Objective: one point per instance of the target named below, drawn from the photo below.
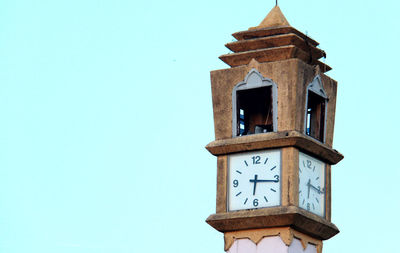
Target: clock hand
(265, 181)
(256, 180)
(315, 188)
(255, 183)
(309, 186)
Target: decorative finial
(276, 2)
(274, 18)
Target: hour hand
(254, 181)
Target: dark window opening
(254, 112)
(315, 121)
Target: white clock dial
(311, 184)
(254, 180)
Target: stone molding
(275, 140)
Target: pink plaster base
(271, 244)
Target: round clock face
(311, 184)
(254, 180)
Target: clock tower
(274, 115)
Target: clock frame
(288, 213)
(254, 180)
(312, 187)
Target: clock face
(311, 184)
(254, 180)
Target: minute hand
(315, 188)
(256, 180)
(263, 181)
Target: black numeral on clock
(256, 159)
(255, 202)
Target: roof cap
(274, 18)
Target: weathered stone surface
(290, 216)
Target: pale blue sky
(106, 108)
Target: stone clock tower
(274, 115)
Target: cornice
(290, 216)
(272, 140)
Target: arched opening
(254, 105)
(316, 108)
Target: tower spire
(274, 18)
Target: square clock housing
(312, 188)
(254, 180)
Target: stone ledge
(264, 32)
(290, 216)
(274, 41)
(271, 54)
(275, 140)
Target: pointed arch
(245, 96)
(317, 87)
(316, 109)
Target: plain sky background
(105, 109)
